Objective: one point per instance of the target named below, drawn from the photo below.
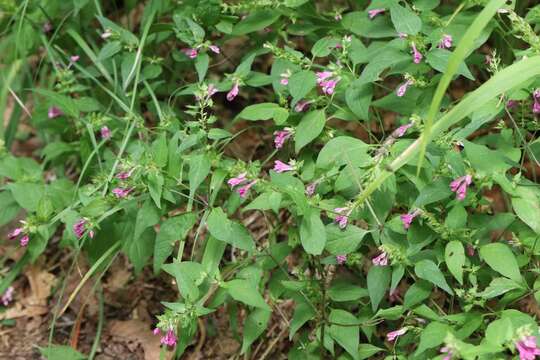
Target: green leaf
(171, 230)
(199, 167)
(501, 259)
(201, 65)
(257, 20)
(27, 195)
(366, 351)
(323, 46)
(343, 241)
(155, 187)
(309, 129)
(303, 312)
(477, 155)
(418, 292)
(254, 326)
(61, 352)
(301, 83)
(347, 337)
(9, 208)
(433, 192)
(148, 215)
(428, 270)
(439, 58)
(432, 336)
(160, 151)
(378, 282)
(140, 249)
(454, 256)
(264, 111)
(341, 291)
(245, 292)
(358, 98)
(343, 150)
(229, 231)
(405, 21)
(312, 232)
(266, 201)
(499, 286)
(527, 207)
(109, 50)
(189, 275)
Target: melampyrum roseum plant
(391, 195)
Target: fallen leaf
(139, 332)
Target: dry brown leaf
(139, 332)
(118, 279)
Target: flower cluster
(15, 233)
(241, 179)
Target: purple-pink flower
(310, 189)
(341, 259)
(408, 218)
(381, 260)
(302, 105)
(326, 82)
(169, 339)
(7, 297)
(105, 133)
(402, 89)
(15, 233)
(212, 89)
(338, 17)
(24, 240)
(280, 137)
(536, 104)
(54, 112)
(392, 335)
(190, 52)
(448, 353)
(417, 56)
(527, 348)
(74, 58)
(400, 131)
(79, 228)
(233, 92)
(446, 42)
(244, 189)
(343, 218)
(232, 182)
(280, 166)
(214, 48)
(374, 12)
(460, 185)
(121, 192)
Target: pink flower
(80, 227)
(341, 259)
(54, 112)
(392, 335)
(121, 192)
(323, 75)
(459, 186)
(281, 167)
(105, 133)
(381, 260)
(190, 53)
(47, 27)
(536, 107)
(169, 339)
(448, 351)
(511, 104)
(400, 131)
(417, 56)
(302, 105)
(446, 42)
(124, 175)
(156, 331)
(470, 250)
(402, 35)
(408, 218)
(338, 17)
(280, 138)
(393, 295)
(233, 92)
(24, 240)
(74, 58)
(212, 89)
(310, 189)
(284, 81)
(15, 233)
(243, 190)
(374, 12)
(329, 86)
(7, 297)
(527, 348)
(343, 218)
(214, 49)
(232, 182)
(402, 89)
